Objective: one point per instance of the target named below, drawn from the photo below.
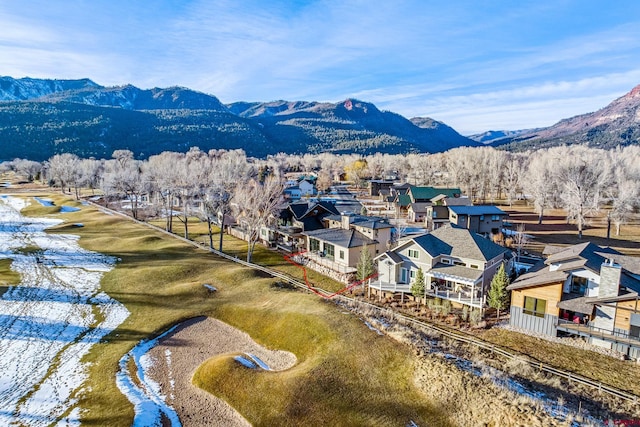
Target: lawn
(345, 371)
(8, 277)
(198, 232)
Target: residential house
(582, 290)
(292, 193)
(458, 265)
(376, 185)
(417, 212)
(307, 187)
(483, 220)
(293, 220)
(339, 246)
(437, 212)
(415, 194)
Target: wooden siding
(552, 293)
(623, 315)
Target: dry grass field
(557, 231)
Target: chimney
(609, 279)
(346, 220)
(609, 285)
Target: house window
(534, 306)
(434, 214)
(314, 245)
(460, 263)
(578, 285)
(474, 266)
(481, 217)
(403, 275)
(413, 253)
(341, 255)
(329, 250)
(263, 232)
(412, 274)
(446, 261)
(495, 217)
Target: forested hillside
(40, 118)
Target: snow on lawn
(48, 322)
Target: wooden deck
(593, 332)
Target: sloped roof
(340, 237)
(452, 201)
(583, 255)
(538, 278)
(460, 243)
(457, 271)
(424, 194)
(302, 209)
(592, 254)
(397, 259)
(403, 199)
(374, 224)
(477, 210)
(420, 207)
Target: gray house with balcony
(458, 265)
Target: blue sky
(475, 65)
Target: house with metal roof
(458, 265)
(403, 199)
(584, 290)
(339, 246)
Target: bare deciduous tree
(63, 168)
(255, 206)
(123, 177)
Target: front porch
(473, 299)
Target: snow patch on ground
(44, 202)
(50, 321)
(67, 209)
(149, 403)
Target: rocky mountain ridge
(81, 116)
(617, 124)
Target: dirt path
(179, 354)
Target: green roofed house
(458, 265)
(422, 195)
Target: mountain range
(617, 124)
(39, 118)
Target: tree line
(576, 178)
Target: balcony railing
(595, 332)
(462, 297)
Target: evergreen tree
(417, 287)
(497, 297)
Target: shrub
(475, 316)
(464, 316)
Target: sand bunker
(169, 366)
